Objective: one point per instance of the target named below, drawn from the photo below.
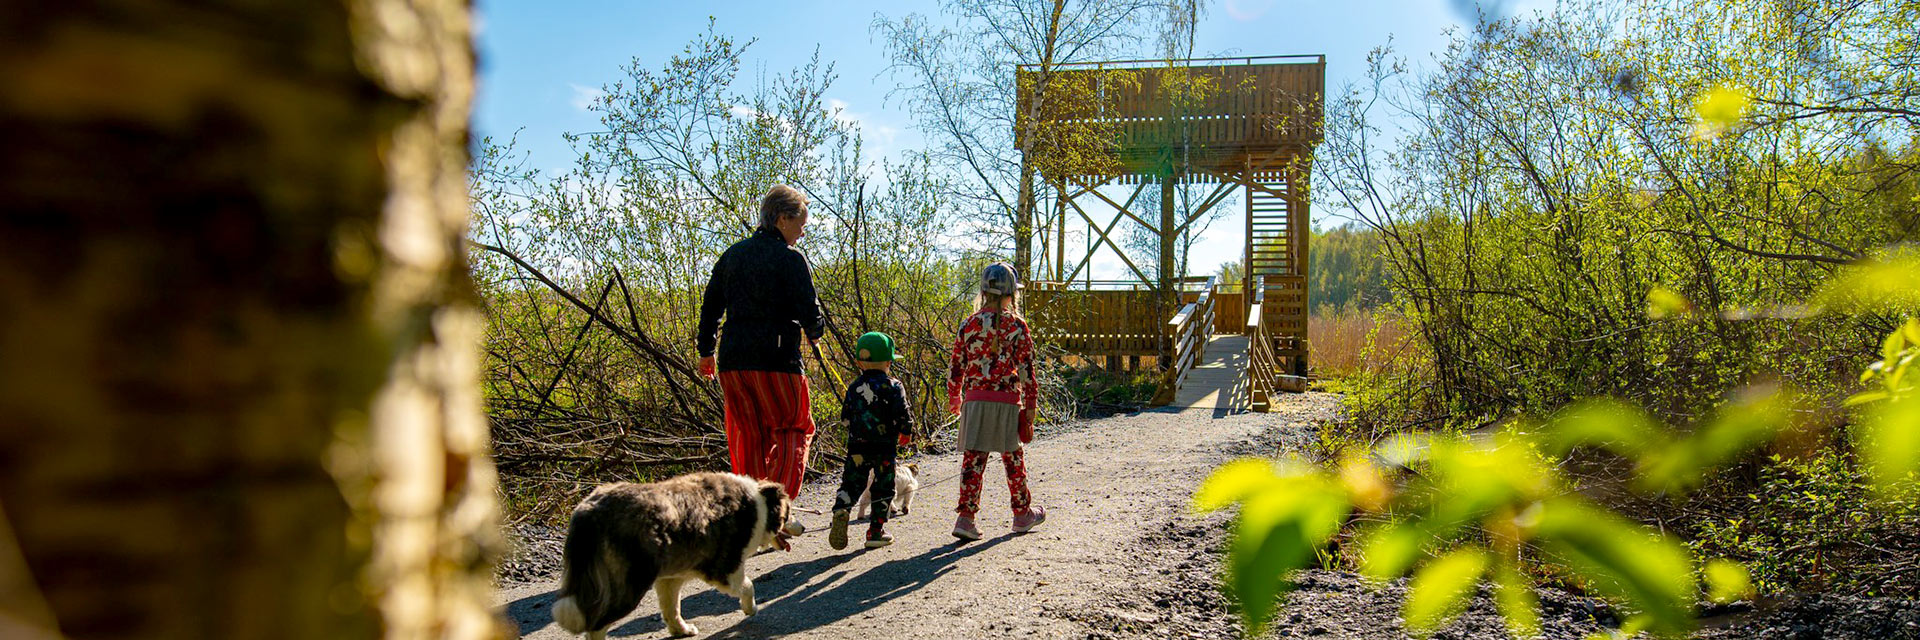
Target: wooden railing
(1097, 319)
(1263, 367)
(1270, 338)
(1249, 102)
(1105, 318)
(1190, 329)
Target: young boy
(876, 415)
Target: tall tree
(960, 84)
(240, 372)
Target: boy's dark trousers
(864, 457)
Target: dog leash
(825, 365)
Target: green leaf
(1891, 283)
(1517, 602)
(1891, 347)
(1718, 109)
(1604, 422)
(1889, 442)
(1234, 482)
(1475, 479)
(1651, 572)
(1723, 105)
(1866, 397)
(1665, 303)
(1279, 531)
(1727, 580)
(1389, 551)
(1440, 590)
(1753, 418)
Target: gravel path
(1110, 487)
(1119, 558)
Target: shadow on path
(697, 599)
(840, 596)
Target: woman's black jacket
(765, 290)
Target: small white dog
(905, 481)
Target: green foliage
(1710, 219)
(1622, 559)
(1440, 590)
(1813, 523)
(1888, 428)
(1506, 491)
(1346, 268)
(1541, 226)
(1287, 513)
(1726, 580)
(1475, 506)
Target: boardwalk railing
(1190, 330)
(1270, 340)
(1114, 320)
(1263, 367)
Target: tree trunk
(1023, 224)
(1024, 201)
(240, 371)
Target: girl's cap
(999, 279)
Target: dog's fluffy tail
(566, 611)
(584, 578)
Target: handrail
(1262, 365)
(1188, 331)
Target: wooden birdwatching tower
(1226, 126)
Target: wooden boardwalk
(1218, 382)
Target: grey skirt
(989, 426)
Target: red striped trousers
(769, 425)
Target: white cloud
(879, 136)
(584, 97)
(1246, 10)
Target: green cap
(874, 346)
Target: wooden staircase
(1277, 264)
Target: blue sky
(541, 61)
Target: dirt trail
(1111, 487)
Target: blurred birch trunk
(238, 346)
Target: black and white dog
(626, 536)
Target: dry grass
(1348, 342)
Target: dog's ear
(775, 496)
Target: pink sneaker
(963, 529)
(1024, 522)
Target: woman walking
(764, 288)
(990, 384)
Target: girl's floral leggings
(973, 466)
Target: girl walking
(990, 384)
